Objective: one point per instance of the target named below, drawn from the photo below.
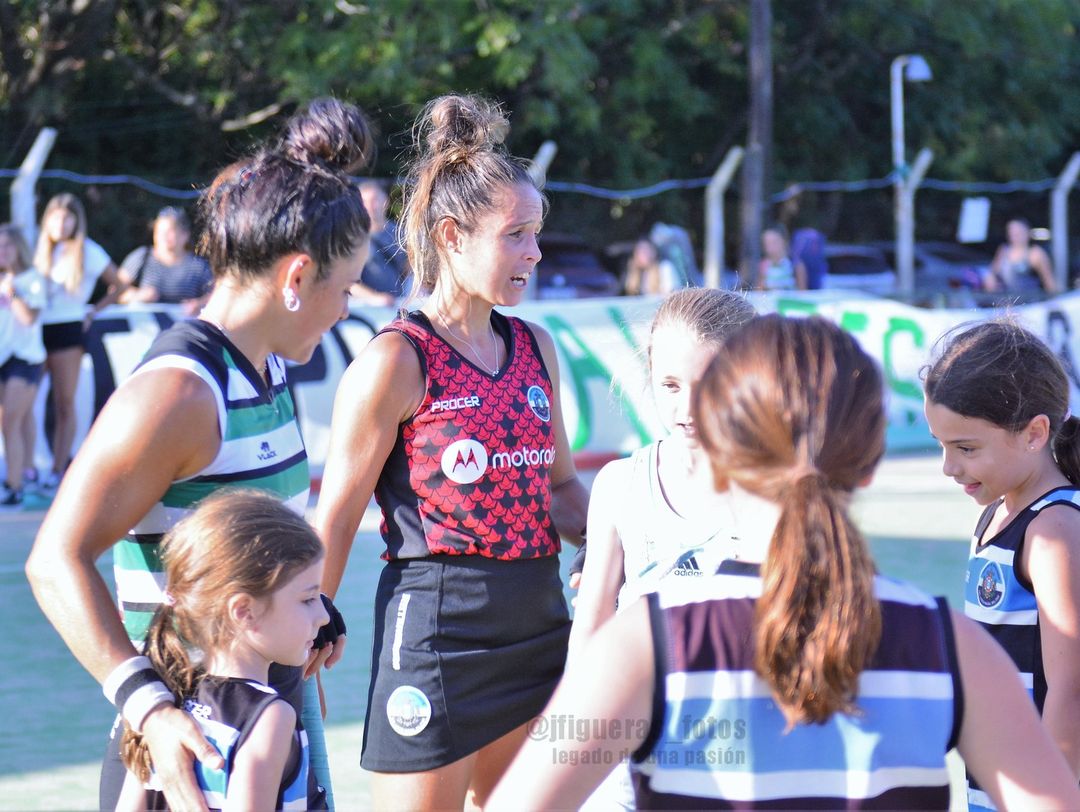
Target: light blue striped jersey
(261, 448)
(1001, 599)
(227, 710)
(718, 738)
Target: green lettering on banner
(854, 322)
(583, 366)
(897, 326)
(785, 306)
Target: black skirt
(466, 649)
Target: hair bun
(332, 133)
(461, 126)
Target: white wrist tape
(135, 688)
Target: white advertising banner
(602, 347)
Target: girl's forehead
(676, 349)
(518, 203)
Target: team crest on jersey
(408, 710)
(539, 403)
(464, 461)
(991, 586)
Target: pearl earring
(292, 301)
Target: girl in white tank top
(656, 515)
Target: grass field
(56, 719)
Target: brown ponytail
(171, 660)
(791, 411)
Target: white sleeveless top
(660, 544)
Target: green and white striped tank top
(261, 448)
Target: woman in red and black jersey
(451, 418)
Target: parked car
(859, 267)
(944, 266)
(570, 269)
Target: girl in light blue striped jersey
(997, 399)
(796, 677)
(242, 587)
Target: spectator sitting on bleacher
(167, 271)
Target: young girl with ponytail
(242, 586)
(997, 401)
(795, 677)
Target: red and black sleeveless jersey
(470, 471)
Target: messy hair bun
(330, 133)
(461, 164)
(455, 128)
(294, 197)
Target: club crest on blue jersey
(991, 586)
(539, 403)
(408, 710)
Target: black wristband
(334, 628)
(578, 564)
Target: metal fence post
(714, 216)
(24, 187)
(1059, 220)
(905, 221)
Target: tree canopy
(632, 91)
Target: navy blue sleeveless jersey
(469, 473)
(1001, 599)
(719, 741)
(226, 710)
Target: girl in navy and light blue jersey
(796, 677)
(997, 400)
(242, 579)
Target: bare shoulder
(546, 344)
(272, 731)
(388, 368)
(1056, 524)
(163, 402)
(613, 478)
(543, 337)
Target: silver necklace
(476, 354)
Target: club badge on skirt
(408, 710)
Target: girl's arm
(992, 280)
(132, 795)
(611, 685)
(380, 390)
(117, 285)
(603, 573)
(260, 763)
(23, 312)
(1040, 261)
(1016, 764)
(1051, 559)
(569, 497)
(801, 281)
(158, 427)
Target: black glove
(334, 628)
(578, 564)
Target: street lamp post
(913, 68)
